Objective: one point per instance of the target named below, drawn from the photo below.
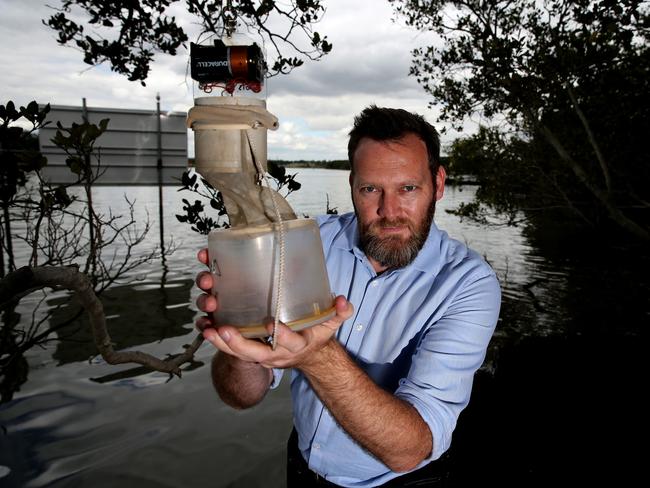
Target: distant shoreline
(336, 164)
(452, 180)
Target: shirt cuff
(277, 377)
(441, 430)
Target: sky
(315, 104)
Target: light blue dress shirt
(420, 332)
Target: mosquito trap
(269, 265)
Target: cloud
(293, 141)
(372, 60)
(316, 103)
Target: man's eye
(409, 188)
(368, 189)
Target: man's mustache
(384, 223)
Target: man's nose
(389, 205)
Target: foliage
(282, 178)
(128, 34)
(78, 142)
(195, 213)
(19, 156)
(502, 170)
(570, 79)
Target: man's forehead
(406, 139)
(408, 153)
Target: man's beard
(395, 251)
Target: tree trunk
(10, 250)
(2, 253)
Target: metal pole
(159, 131)
(87, 183)
(84, 110)
(160, 182)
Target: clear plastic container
(245, 262)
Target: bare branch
(26, 279)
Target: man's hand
(293, 349)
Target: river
(550, 397)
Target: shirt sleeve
(277, 377)
(439, 381)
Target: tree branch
(580, 173)
(590, 136)
(26, 280)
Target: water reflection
(563, 400)
(558, 399)
(136, 314)
(557, 409)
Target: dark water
(559, 397)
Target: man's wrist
(317, 360)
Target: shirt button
(359, 327)
(374, 284)
(316, 445)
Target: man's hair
(390, 124)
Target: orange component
(239, 61)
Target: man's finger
(203, 256)
(204, 280)
(207, 303)
(344, 311)
(288, 339)
(248, 349)
(213, 337)
(203, 323)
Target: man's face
(394, 197)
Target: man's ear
(441, 175)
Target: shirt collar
(349, 240)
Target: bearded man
(377, 389)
